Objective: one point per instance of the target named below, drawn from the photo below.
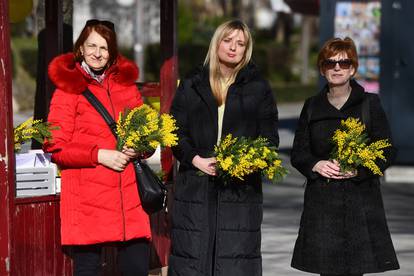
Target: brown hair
(103, 28)
(334, 46)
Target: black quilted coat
(216, 229)
(343, 229)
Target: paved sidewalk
(282, 209)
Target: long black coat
(216, 229)
(343, 227)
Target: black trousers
(133, 258)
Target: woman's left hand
(345, 175)
(349, 174)
(132, 154)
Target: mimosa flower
(143, 130)
(352, 148)
(239, 157)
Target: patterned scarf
(98, 77)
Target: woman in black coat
(343, 230)
(216, 228)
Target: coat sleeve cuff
(311, 174)
(94, 156)
(190, 157)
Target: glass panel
(25, 26)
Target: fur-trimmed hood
(68, 76)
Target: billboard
(361, 22)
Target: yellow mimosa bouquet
(143, 129)
(353, 149)
(239, 157)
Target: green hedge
(272, 59)
(24, 58)
(293, 92)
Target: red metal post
(169, 68)
(6, 148)
(160, 223)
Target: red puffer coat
(98, 204)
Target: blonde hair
(212, 59)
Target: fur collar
(67, 75)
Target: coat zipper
(122, 208)
(119, 174)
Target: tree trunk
(223, 4)
(305, 46)
(235, 8)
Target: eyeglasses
(106, 23)
(331, 63)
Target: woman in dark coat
(216, 228)
(343, 230)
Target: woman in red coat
(99, 198)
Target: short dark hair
(334, 46)
(104, 28)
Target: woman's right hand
(328, 169)
(113, 159)
(206, 165)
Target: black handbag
(152, 191)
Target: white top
(220, 121)
(224, 87)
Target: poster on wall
(361, 22)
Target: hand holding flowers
(113, 159)
(353, 149)
(206, 165)
(331, 169)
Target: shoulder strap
(101, 110)
(365, 112)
